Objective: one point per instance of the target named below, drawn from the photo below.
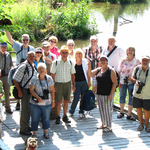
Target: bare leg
(122, 107)
(146, 115)
(58, 108)
(65, 107)
(140, 114)
(94, 89)
(129, 109)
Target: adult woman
(42, 90)
(125, 70)
(106, 85)
(70, 45)
(82, 80)
(53, 40)
(38, 56)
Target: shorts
(138, 103)
(63, 90)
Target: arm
(20, 94)
(73, 82)
(93, 72)
(51, 88)
(114, 81)
(9, 37)
(34, 93)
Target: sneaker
(81, 115)
(9, 111)
(65, 119)
(57, 120)
(70, 114)
(18, 106)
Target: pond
(109, 22)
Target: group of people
(52, 74)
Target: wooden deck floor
(81, 134)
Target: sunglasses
(53, 41)
(25, 39)
(64, 52)
(38, 52)
(70, 45)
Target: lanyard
(41, 83)
(146, 74)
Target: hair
(41, 64)
(78, 50)
(130, 48)
(27, 35)
(111, 37)
(42, 57)
(70, 41)
(30, 52)
(53, 37)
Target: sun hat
(45, 44)
(64, 47)
(145, 57)
(53, 37)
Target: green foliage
(72, 21)
(31, 17)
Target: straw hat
(64, 47)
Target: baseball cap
(3, 44)
(45, 44)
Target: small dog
(31, 143)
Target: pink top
(126, 68)
(55, 51)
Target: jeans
(81, 87)
(123, 93)
(37, 112)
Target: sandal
(147, 128)
(101, 127)
(107, 129)
(140, 127)
(131, 118)
(46, 135)
(120, 115)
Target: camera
(140, 87)
(126, 80)
(45, 94)
(3, 72)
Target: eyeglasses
(25, 39)
(41, 68)
(38, 52)
(52, 41)
(64, 52)
(70, 45)
(78, 53)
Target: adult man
(141, 94)
(116, 55)
(49, 57)
(22, 50)
(63, 73)
(24, 74)
(93, 53)
(5, 65)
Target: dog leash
(11, 129)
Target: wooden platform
(81, 134)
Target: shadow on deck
(80, 134)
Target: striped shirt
(25, 75)
(62, 70)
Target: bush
(73, 22)
(31, 17)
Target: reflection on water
(134, 34)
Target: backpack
(87, 101)
(12, 72)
